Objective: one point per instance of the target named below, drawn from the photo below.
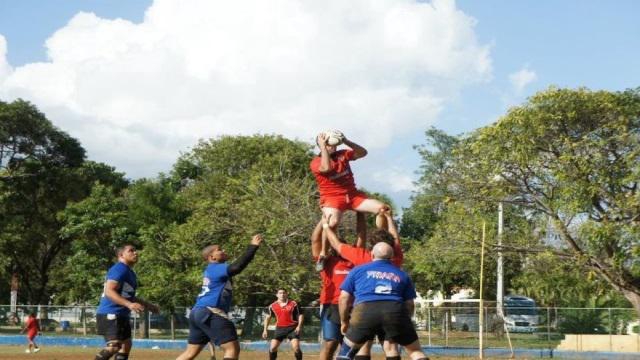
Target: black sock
(363, 357)
(273, 355)
(104, 355)
(298, 355)
(392, 358)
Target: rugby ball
(334, 137)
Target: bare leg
(190, 353)
(328, 349)
(415, 351)
(374, 206)
(332, 217)
(231, 349)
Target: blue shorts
(330, 328)
(205, 326)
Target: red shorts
(31, 335)
(344, 202)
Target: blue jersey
(378, 281)
(216, 287)
(127, 284)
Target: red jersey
(359, 256)
(32, 326)
(286, 315)
(333, 274)
(339, 180)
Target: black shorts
(205, 326)
(387, 318)
(113, 327)
(288, 332)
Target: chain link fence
(448, 326)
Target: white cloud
(5, 68)
(138, 94)
(520, 79)
(395, 179)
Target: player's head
(381, 235)
(382, 251)
(282, 294)
(214, 253)
(127, 254)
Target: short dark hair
(120, 249)
(381, 235)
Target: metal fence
(451, 325)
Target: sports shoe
(27, 351)
(36, 350)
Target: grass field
(14, 352)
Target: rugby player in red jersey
(332, 275)
(32, 327)
(359, 256)
(337, 187)
(289, 321)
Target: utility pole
(499, 268)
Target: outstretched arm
(245, 259)
(361, 229)
(332, 237)
(358, 151)
(391, 226)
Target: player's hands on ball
(256, 240)
(322, 140)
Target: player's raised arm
(332, 237)
(325, 159)
(242, 262)
(361, 230)
(392, 228)
(358, 151)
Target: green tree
(572, 156)
(94, 227)
(41, 170)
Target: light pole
(499, 285)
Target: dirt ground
(14, 352)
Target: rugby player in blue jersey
(117, 301)
(209, 319)
(378, 296)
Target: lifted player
(337, 187)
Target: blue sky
(502, 52)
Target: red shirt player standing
(337, 187)
(288, 324)
(32, 327)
